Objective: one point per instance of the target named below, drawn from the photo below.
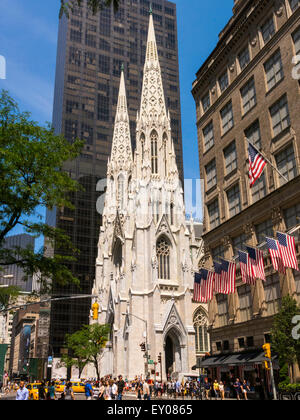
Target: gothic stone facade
(147, 252)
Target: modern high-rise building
(248, 90)
(91, 52)
(13, 275)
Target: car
(34, 390)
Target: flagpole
(269, 162)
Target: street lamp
(146, 339)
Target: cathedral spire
(121, 152)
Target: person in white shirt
(22, 392)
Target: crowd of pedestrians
(109, 388)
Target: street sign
(150, 362)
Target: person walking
(245, 389)
(216, 389)
(238, 388)
(22, 392)
(88, 390)
(68, 392)
(222, 390)
(51, 391)
(207, 387)
(146, 390)
(121, 386)
(101, 395)
(42, 392)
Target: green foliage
(283, 343)
(31, 162)
(94, 5)
(87, 345)
(7, 294)
(291, 388)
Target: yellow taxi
(34, 390)
(77, 386)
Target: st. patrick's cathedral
(147, 251)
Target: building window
(218, 252)
(245, 300)
(154, 155)
(253, 134)
(206, 102)
(223, 82)
(280, 116)
(239, 242)
(200, 322)
(294, 4)
(248, 95)
(104, 64)
(163, 257)
(213, 214)
(241, 342)
(230, 156)
(208, 135)
(222, 303)
(244, 58)
(268, 29)
(264, 229)
(292, 216)
(259, 189)
(227, 118)
(234, 200)
(274, 70)
(272, 294)
(286, 164)
(296, 40)
(211, 175)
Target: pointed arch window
(143, 146)
(200, 322)
(165, 138)
(163, 257)
(121, 185)
(154, 152)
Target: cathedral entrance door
(172, 355)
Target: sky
(28, 41)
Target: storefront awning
(233, 360)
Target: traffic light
(143, 347)
(267, 349)
(95, 309)
(159, 358)
(267, 365)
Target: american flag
(287, 247)
(228, 276)
(203, 287)
(256, 164)
(277, 262)
(257, 260)
(246, 268)
(218, 284)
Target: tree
(94, 5)
(31, 162)
(87, 346)
(283, 343)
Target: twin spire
(153, 111)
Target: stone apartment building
(249, 88)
